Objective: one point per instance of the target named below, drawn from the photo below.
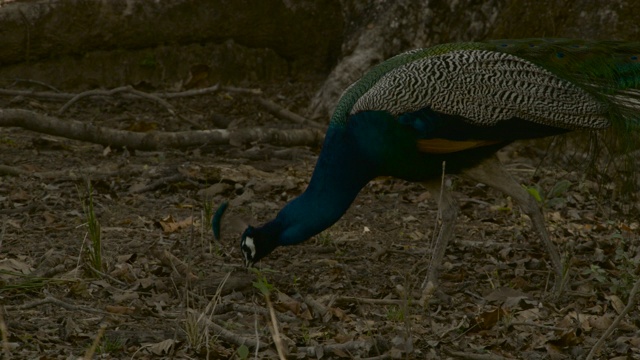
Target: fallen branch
(12, 171)
(73, 174)
(631, 303)
(547, 327)
(275, 329)
(375, 301)
(159, 183)
(171, 261)
(19, 210)
(122, 89)
(57, 95)
(51, 300)
(283, 113)
(77, 130)
(233, 338)
(319, 309)
(224, 308)
(350, 346)
(474, 356)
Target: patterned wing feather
(484, 87)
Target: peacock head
(257, 243)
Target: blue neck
(337, 179)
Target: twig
(283, 113)
(126, 89)
(173, 262)
(233, 338)
(379, 357)
(631, 302)
(90, 351)
(57, 95)
(17, 80)
(277, 339)
(159, 183)
(374, 301)
(4, 331)
(318, 309)
(241, 90)
(224, 308)
(547, 327)
(194, 92)
(19, 210)
(121, 283)
(47, 95)
(211, 89)
(12, 171)
(473, 356)
(355, 345)
(52, 300)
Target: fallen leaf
(169, 225)
(123, 310)
(161, 348)
(487, 320)
(616, 303)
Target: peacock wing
(484, 87)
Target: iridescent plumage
(458, 104)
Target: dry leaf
(123, 310)
(616, 303)
(487, 320)
(169, 225)
(600, 322)
(13, 266)
(161, 348)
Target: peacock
(449, 108)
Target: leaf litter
(169, 291)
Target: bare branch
(474, 356)
(631, 303)
(122, 89)
(351, 346)
(54, 301)
(73, 129)
(283, 113)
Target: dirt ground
(168, 290)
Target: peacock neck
(339, 175)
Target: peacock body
(457, 104)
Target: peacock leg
(448, 211)
(492, 173)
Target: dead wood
(233, 338)
(127, 92)
(169, 260)
(159, 183)
(360, 346)
(77, 130)
(54, 301)
(122, 89)
(19, 210)
(631, 303)
(474, 356)
(280, 112)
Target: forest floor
(168, 290)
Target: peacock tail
(567, 84)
